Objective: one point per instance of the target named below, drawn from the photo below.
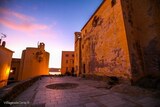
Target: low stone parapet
(8, 93)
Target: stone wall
(9, 92)
(142, 24)
(122, 39)
(104, 44)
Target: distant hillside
(54, 69)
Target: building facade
(5, 63)
(120, 39)
(15, 67)
(34, 62)
(67, 63)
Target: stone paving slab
(85, 95)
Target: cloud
(18, 21)
(22, 26)
(7, 12)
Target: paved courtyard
(89, 93)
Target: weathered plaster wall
(5, 63)
(142, 23)
(104, 44)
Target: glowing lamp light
(11, 71)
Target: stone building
(15, 67)
(5, 63)
(34, 62)
(121, 39)
(67, 63)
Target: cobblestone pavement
(85, 95)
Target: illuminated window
(113, 2)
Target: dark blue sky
(50, 21)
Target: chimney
(3, 43)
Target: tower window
(113, 2)
(67, 55)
